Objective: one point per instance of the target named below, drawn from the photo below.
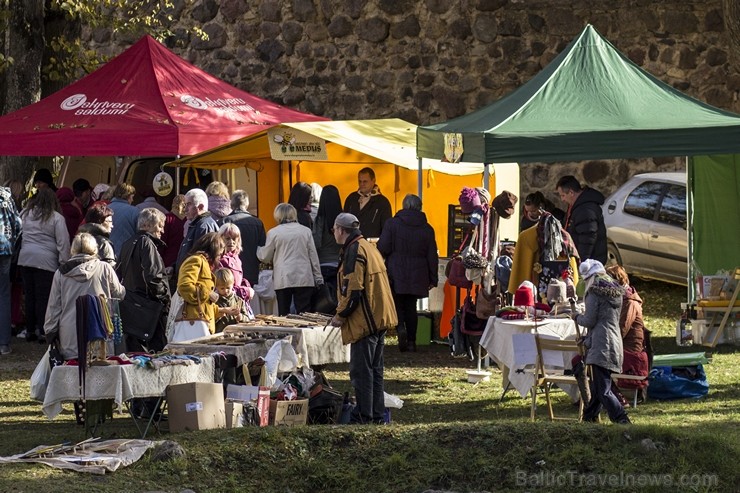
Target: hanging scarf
(364, 198)
(550, 238)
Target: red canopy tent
(146, 101)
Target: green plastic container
(424, 329)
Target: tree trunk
(731, 11)
(24, 42)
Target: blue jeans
(366, 375)
(5, 330)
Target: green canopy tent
(592, 102)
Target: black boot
(403, 344)
(579, 370)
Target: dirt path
(24, 358)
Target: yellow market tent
(386, 145)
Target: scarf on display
(550, 238)
(364, 198)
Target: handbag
(486, 304)
(322, 300)
(139, 315)
(455, 272)
(186, 329)
(469, 322)
(471, 258)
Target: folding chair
(546, 377)
(623, 376)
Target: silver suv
(646, 227)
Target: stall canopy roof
(145, 101)
(590, 102)
(388, 140)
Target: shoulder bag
(139, 313)
(186, 329)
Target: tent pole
(691, 294)
(486, 177)
(420, 179)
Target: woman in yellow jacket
(195, 280)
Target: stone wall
(431, 60)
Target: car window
(643, 200)
(673, 208)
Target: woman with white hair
(291, 250)
(82, 274)
(141, 270)
(603, 342)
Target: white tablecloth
(119, 382)
(498, 338)
(314, 345)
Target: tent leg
(420, 179)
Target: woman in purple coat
(410, 252)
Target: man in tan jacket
(365, 311)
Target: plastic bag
(265, 287)
(281, 358)
(677, 382)
(392, 401)
(40, 378)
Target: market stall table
(513, 353)
(120, 383)
(316, 345)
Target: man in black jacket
(201, 222)
(584, 219)
(252, 231)
(367, 204)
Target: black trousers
(36, 289)
(603, 397)
(407, 315)
(300, 297)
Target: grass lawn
(450, 435)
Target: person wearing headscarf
(603, 342)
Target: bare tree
(24, 44)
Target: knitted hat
(591, 267)
(524, 296)
(556, 291)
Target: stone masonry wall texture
(427, 61)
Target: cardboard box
(195, 406)
(259, 395)
(234, 412)
(712, 286)
(288, 413)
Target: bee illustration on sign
(285, 140)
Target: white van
(140, 172)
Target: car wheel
(612, 254)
